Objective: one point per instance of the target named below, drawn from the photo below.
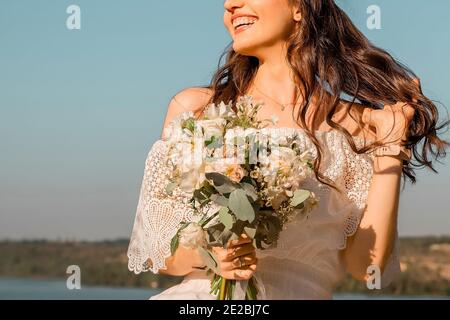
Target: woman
(298, 57)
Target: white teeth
(243, 21)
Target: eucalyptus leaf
(226, 218)
(251, 232)
(225, 188)
(219, 199)
(174, 244)
(209, 258)
(222, 183)
(299, 197)
(234, 236)
(241, 206)
(217, 178)
(250, 190)
(215, 232)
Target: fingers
(239, 251)
(245, 274)
(242, 262)
(227, 255)
(240, 274)
(242, 240)
(238, 261)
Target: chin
(246, 49)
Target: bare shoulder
(350, 117)
(192, 99)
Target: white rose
(193, 236)
(282, 159)
(212, 128)
(192, 179)
(219, 166)
(213, 112)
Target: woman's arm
(373, 242)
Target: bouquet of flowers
(239, 179)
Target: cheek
(275, 27)
(276, 17)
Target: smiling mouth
(243, 23)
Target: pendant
(283, 107)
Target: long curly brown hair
(327, 48)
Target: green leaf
(251, 232)
(215, 232)
(226, 218)
(217, 178)
(225, 188)
(189, 124)
(222, 183)
(209, 258)
(203, 194)
(206, 219)
(250, 190)
(214, 142)
(174, 244)
(219, 199)
(241, 206)
(299, 197)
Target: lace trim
(158, 215)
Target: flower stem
(252, 292)
(223, 289)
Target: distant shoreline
(425, 263)
(32, 289)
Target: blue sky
(81, 108)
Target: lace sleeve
(357, 180)
(357, 177)
(158, 215)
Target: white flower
(282, 159)
(193, 236)
(174, 130)
(192, 179)
(212, 128)
(218, 165)
(213, 111)
(233, 133)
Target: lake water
(30, 289)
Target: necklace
(282, 105)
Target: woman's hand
(391, 122)
(238, 261)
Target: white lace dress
(306, 264)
